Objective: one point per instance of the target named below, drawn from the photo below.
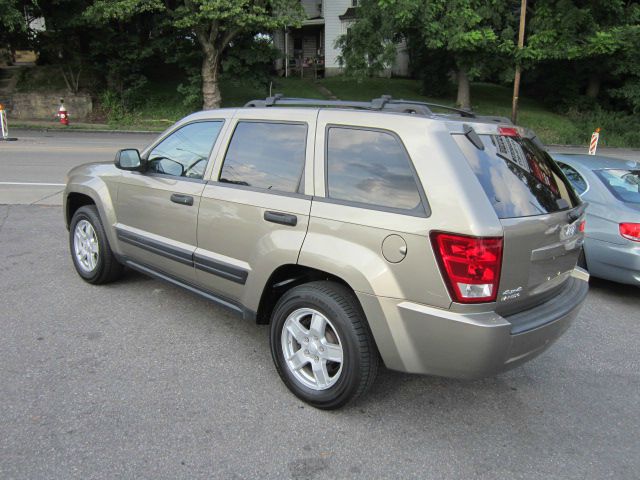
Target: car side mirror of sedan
(128, 159)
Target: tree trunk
(210, 88)
(593, 88)
(464, 90)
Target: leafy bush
(618, 129)
(114, 108)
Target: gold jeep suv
(437, 243)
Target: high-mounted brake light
(630, 231)
(470, 266)
(508, 131)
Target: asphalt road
(33, 169)
(139, 379)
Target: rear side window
(519, 178)
(370, 168)
(266, 155)
(624, 184)
(579, 183)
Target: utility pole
(516, 81)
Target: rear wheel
(322, 346)
(90, 250)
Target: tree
(471, 32)
(369, 46)
(13, 24)
(596, 37)
(213, 23)
(11, 18)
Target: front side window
(266, 155)
(370, 167)
(578, 183)
(186, 151)
(624, 184)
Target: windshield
(519, 178)
(624, 184)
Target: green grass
(163, 105)
(487, 99)
(236, 94)
(160, 104)
(351, 89)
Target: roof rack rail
(462, 112)
(385, 102)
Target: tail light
(582, 226)
(630, 231)
(469, 265)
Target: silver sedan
(612, 188)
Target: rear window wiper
(472, 136)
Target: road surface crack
(47, 197)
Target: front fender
(103, 191)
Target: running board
(230, 305)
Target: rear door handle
(182, 199)
(281, 218)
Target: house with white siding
(310, 51)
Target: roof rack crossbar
(385, 102)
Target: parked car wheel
(322, 346)
(92, 256)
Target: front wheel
(321, 344)
(90, 250)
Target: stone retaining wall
(40, 106)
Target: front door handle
(281, 218)
(182, 199)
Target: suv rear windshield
(519, 178)
(624, 184)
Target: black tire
(360, 355)
(107, 268)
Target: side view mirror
(128, 159)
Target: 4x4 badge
(510, 294)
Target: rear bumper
(416, 338)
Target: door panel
(254, 212)
(237, 248)
(157, 211)
(152, 228)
